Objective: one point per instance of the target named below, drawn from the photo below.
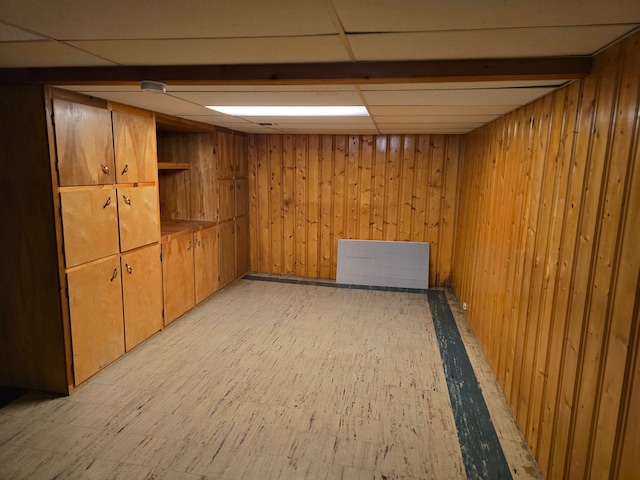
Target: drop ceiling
(109, 44)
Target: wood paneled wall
(308, 191)
(547, 257)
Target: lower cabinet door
(205, 262)
(95, 307)
(227, 253)
(177, 274)
(142, 294)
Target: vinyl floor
(266, 380)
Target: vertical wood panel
(318, 189)
(547, 216)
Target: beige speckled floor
(264, 380)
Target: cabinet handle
(125, 169)
(129, 268)
(126, 199)
(190, 245)
(198, 241)
(107, 203)
(115, 274)
(105, 169)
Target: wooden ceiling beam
(548, 68)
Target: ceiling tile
(425, 15)
(429, 119)
(153, 19)
(45, 54)
(441, 109)
(326, 48)
(271, 98)
(418, 130)
(312, 120)
(463, 85)
(152, 101)
(470, 44)
(504, 96)
(12, 34)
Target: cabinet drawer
(134, 138)
(90, 224)
(142, 294)
(138, 213)
(84, 144)
(95, 308)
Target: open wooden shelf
(173, 166)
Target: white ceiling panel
(463, 85)
(152, 101)
(432, 119)
(12, 34)
(411, 110)
(417, 130)
(428, 126)
(364, 120)
(154, 19)
(326, 128)
(433, 15)
(326, 48)
(45, 54)
(505, 96)
(510, 43)
(156, 33)
(320, 89)
(271, 98)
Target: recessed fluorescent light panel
(291, 111)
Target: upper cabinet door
(224, 152)
(84, 143)
(240, 159)
(138, 214)
(135, 148)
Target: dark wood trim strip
(548, 68)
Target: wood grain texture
(309, 191)
(205, 262)
(243, 257)
(141, 294)
(543, 257)
(227, 253)
(90, 224)
(189, 193)
(138, 216)
(84, 144)
(32, 340)
(134, 139)
(177, 275)
(97, 327)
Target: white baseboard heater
(383, 264)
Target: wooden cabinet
(84, 143)
(205, 260)
(95, 310)
(178, 275)
(142, 294)
(87, 272)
